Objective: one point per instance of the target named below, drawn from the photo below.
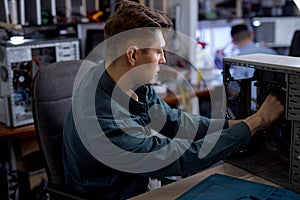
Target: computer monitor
(275, 31)
(93, 38)
(96, 29)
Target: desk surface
(9, 133)
(174, 190)
(173, 99)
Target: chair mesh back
(52, 96)
(295, 45)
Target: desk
(174, 190)
(25, 135)
(24, 162)
(9, 133)
(173, 99)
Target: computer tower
(18, 65)
(273, 153)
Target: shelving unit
(29, 12)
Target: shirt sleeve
(207, 151)
(157, 156)
(128, 145)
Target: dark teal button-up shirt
(134, 140)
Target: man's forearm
(254, 123)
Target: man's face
(148, 61)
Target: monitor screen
(93, 38)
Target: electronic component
(18, 65)
(274, 153)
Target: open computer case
(274, 153)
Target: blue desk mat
(221, 187)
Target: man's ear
(131, 55)
(234, 42)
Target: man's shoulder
(267, 50)
(258, 49)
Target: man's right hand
(270, 110)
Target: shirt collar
(107, 85)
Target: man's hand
(269, 111)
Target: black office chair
(295, 45)
(52, 96)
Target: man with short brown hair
(119, 132)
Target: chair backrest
(295, 45)
(52, 97)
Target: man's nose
(162, 59)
